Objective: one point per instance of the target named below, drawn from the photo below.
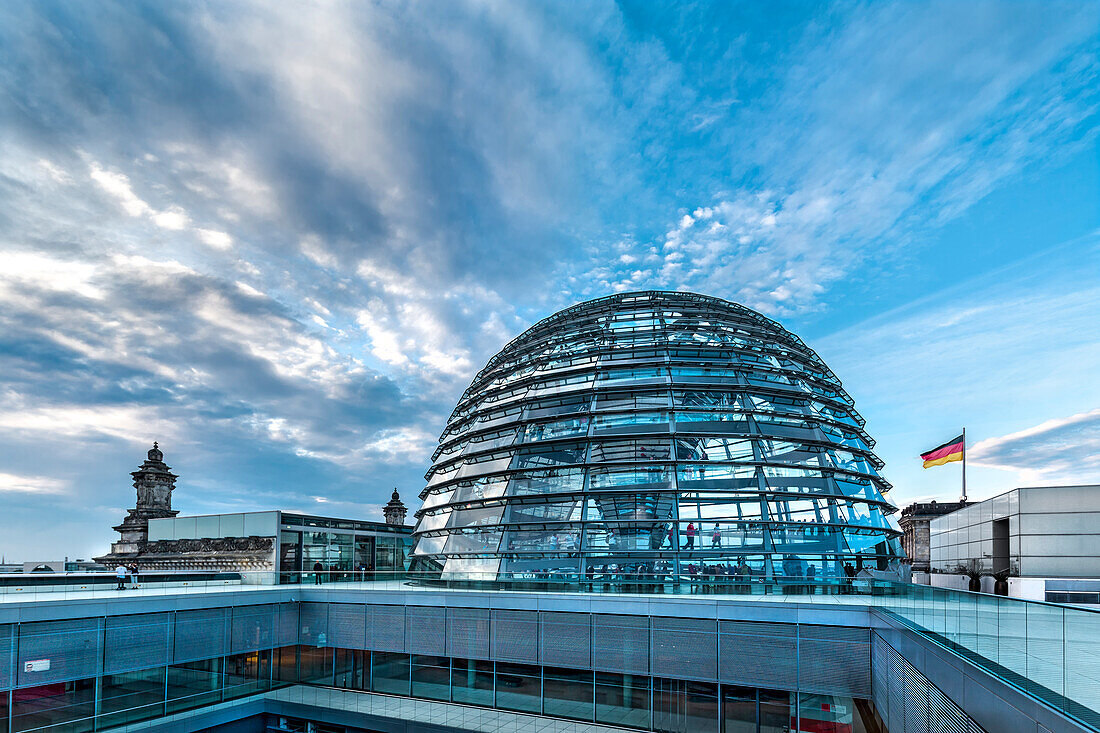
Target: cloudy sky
(280, 238)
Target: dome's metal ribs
(654, 432)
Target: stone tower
(395, 510)
(154, 483)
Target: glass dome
(655, 432)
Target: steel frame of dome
(654, 432)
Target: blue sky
(280, 239)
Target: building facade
(1038, 532)
(914, 522)
(656, 433)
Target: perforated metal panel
(136, 642)
(911, 703)
(686, 648)
(565, 639)
(943, 715)
(515, 636)
(468, 633)
(387, 628)
(880, 677)
(286, 624)
(73, 648)
(347, 625)
(252, 628)
(834, 660)
(913, 700)
(896, 721)
(313, 624)
(201, 633)
(620, 643)
(7, 656)
(759, 654)
(426, 630)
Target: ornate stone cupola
(395, 510)
(154, 482)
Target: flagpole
(964, 466)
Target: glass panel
(390, 673)
(284, 664)
(1045, 642)
(472, 682)
(567, 693)
(622, 699)
(519, 687)
(775, 711)
(680, 706)
(246, 674)
(352, 669)
(194, 684)
(68, 703)
(558, 429)
(130, 697)
(546, 482)
(315, 664)
(290, 560)
(553, 454)
(431, 677)
(828, 714)
(739, 709)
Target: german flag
(949, 452)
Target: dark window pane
(775, 711)
(738, 709)
(431, 677)
(285, 661)
(315, 664)
(568, 693)
(353, 669)
(519, 687)
(194, 684)
(622, 699)
(680, 706)
(71, 703)
(390, 673)
(247, 674)
(472, 682)
(130, 697)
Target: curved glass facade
(659, 433)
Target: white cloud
(1060, 450)
(130, 423)
(213, 238)
(16, 484)
(314, 250)
(407, 443)
(118, 185)
(22, 269)
(174, 218)
(385, 342)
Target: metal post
(964, 465)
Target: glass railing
(1049, 650)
